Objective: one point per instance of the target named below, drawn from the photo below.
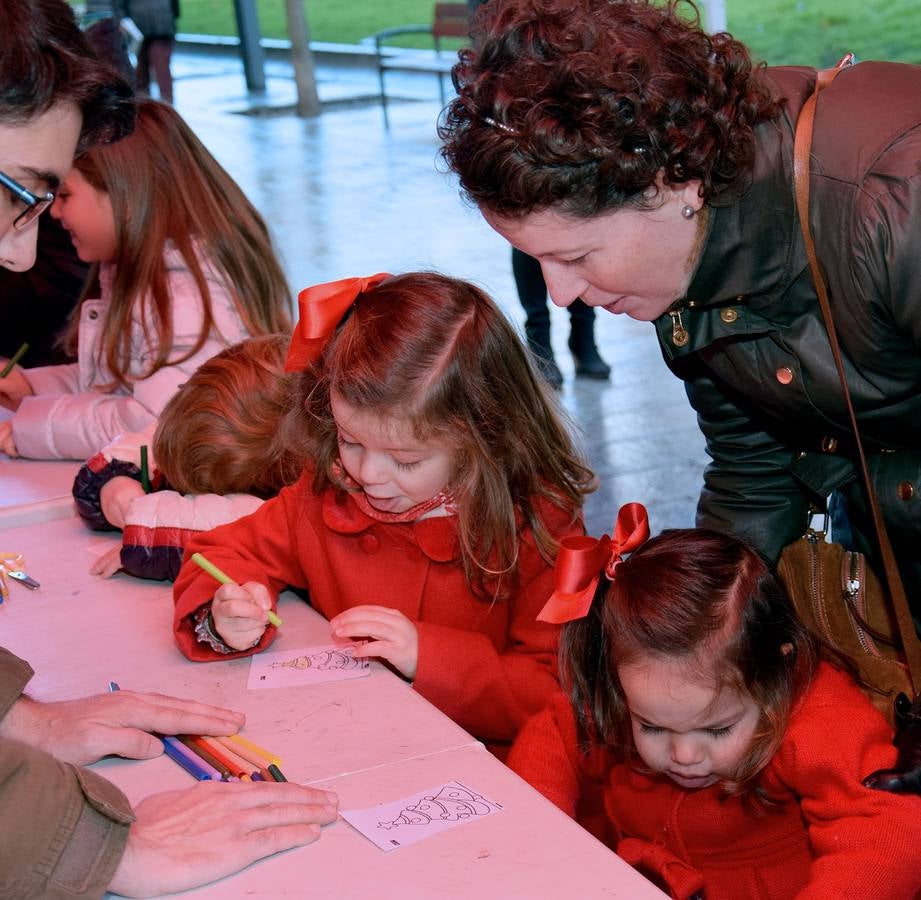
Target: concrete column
(250, 48)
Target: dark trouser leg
(142, 77)
(589, 363)
(160, 51)
(532, 293)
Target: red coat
(487, 666)
(830, 838)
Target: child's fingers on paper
(373, 617)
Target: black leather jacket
(757, 365)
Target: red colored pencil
(220, 757)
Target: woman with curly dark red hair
(649, 167)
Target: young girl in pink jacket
(702, 738)
(183, 267)
(441, 482)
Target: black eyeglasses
(35, 205)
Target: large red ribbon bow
(581, 561)
(321, 309)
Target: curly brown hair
(580, 104)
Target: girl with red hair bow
(702, 738)
(441, 481)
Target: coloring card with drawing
(310, 665)
(402, 822)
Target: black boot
(589, 363)
(532, 292)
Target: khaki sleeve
(15, 674)
(76, 829)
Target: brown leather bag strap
(801, 156)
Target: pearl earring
(688, 211)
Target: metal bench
(448, 20)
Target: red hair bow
(582, 559)
(321, 308)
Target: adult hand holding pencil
(239, 612)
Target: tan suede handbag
(836, 594)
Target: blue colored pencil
(193, 764)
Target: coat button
(370, 543)
(784, 375)
(93, 314)
(729, 315)
(906, 490)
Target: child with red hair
(218, 450)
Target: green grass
(806, 32)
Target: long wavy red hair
(438, 352)
(165, 187)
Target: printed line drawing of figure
(324, 660)
(452, 803)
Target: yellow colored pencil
(259, 751)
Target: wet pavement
(344, 194)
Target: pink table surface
(372, 740)
(528, 851)
(35, 490)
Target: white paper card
(402, 822)
(308, 665)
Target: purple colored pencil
(193, 764)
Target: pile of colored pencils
(231, 758)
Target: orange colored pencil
(241, 766)
(246, 753)
(215, 751)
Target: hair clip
(581, 561)
(321, 308)
(500, 125)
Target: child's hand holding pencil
(240, 612)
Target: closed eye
(408, 466)
(719, 732)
